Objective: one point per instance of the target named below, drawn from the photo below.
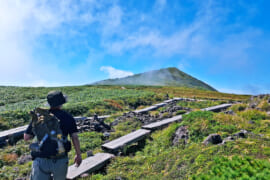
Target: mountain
(163, 77)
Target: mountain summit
(163, 77)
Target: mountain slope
(163, 77)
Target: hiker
(49, 154)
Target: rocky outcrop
(181, 136)
(146, 117)
(241, 134)
(213, 139)
(94, 124)
(255, 100)
(230, 112)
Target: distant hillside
(162, 77)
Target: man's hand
(78, 160)
(76, 143)
(27, 137)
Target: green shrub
(238, 107)
(264, 105)
(253, 115)
(237, 168)
(200, 124)
(180, 112)
(165, 115)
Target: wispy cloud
(160, 5)
(205, 37)
(115, 73)
(33, 34)
(24, 23)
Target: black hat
(56, 98)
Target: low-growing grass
(199, 104)
(88, 141)
(264, 105)
(195, 93)
(237, 167)
(16, 102)
(160, 160)
(253, 115)
(238, 107)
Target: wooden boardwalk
(15, 132)
(156, 106)
(97, 161)
(12, 132)
(165, 122)
(217, 108)
(81, 118)
(89, 165)
(123, 141)
(93, 163)
(151, 108)
(160, 105)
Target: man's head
(56, 99)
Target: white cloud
(111, 21)
(115, 73)
(160, 4)
(22, 23)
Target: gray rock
(181, 134)
(253, 105)
(229, 112)
(3, 143)
(89, 153)
(114, 123)
(106, 134)
(24, 159)
(16, 169)
(229, 138)
(251, 122)
(213, 139)
(242, 134)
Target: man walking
(45, 166)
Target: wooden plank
(151, 108)
(159, 124)
(168, 101)
(217, 108)
(126, 140)
(5, 134)
(160, 105)
(178, 99)
(20, 130)
(80, 118)
(89, 164)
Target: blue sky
(71, 42)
